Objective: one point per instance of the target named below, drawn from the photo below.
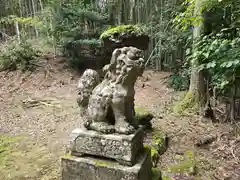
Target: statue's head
(134, 59)
(126, 63)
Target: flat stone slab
(123, 148)
(90, 168)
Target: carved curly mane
(122, 62)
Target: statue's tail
(88, 81)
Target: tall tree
(196, 96)
(197, 87)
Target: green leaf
(206, 54)
(188, 51)
(211, 65)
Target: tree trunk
(197, 82)
(196, 97)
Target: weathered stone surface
(89, 168)
(110, 105)
(88, 81)
(123, 148)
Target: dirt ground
(38, 110)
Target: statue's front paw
(88, 124)
(100, 127)
(125, 129)
(108, 129)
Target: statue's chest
(115, 91)
(121, 91)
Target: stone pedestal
(92, 168)
(123, 148)
(97, 156)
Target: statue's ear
(125, 50)
(116, 53)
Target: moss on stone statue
(122, 29)
(157, 146)
(154, 151)
(67, 155)
(103, 163)
(160, 141)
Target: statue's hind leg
(130, 112)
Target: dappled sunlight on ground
(42, 108)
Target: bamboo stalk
(34, 14)
(17, 30)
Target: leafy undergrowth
(21, 160)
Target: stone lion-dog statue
(109, 105)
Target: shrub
(178, 82)
(18, 55)
(83, 53)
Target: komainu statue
(89, 80)
(110, 104)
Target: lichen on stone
(67, 155)
(103, 163)
(122, 29)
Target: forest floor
(38, 110)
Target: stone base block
(90, 168)
(123, 148)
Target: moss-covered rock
(123, 29)
(160, 142)
(125, 35)
(158, 146)
(154, 154)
